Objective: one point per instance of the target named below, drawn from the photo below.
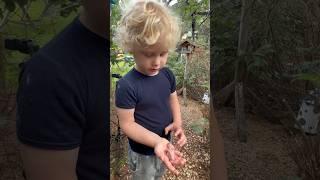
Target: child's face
(151, 59)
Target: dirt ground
(10, 162)
(264, 156)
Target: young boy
(146, 98)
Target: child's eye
(163, 54)
(148, 54)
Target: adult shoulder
(50, 112)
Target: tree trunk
(240, 115)
(240, 72)
(2, 69)
(312, 28)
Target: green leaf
(308, 77)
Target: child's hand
(170, 157)
(178, 132)
(175, 156)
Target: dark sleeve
(172, 79)
(50, 112)
(125, 96)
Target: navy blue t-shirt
(149, 95)
(63, 101)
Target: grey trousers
(145, 167)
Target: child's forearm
(175, 109)
(140, 134)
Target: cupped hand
(168, 155)
(178, 132)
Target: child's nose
(157, 61)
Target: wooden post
(185, 81)
(240, 115)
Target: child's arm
(141, 135)
(134, 130)
(176, 126)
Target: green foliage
(224, 33)
(120, 62)
(38, 28)
(307, 71)
(198, 71)
(257, 61)
(68, 8)
(11, 5)
(177, 66)
(200, 126)
(198, 74)
(314, 78)
(116, 15)
(184, 10)
(121, 67)
(277, 37)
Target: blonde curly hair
(144, 22)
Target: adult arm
(50, 120)
(42, 164)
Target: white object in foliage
(206, 98)
(309, 113)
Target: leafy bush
(198, 69)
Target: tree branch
(4, 20)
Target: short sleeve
(125, 95)
(171, 78)
(50, 112)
